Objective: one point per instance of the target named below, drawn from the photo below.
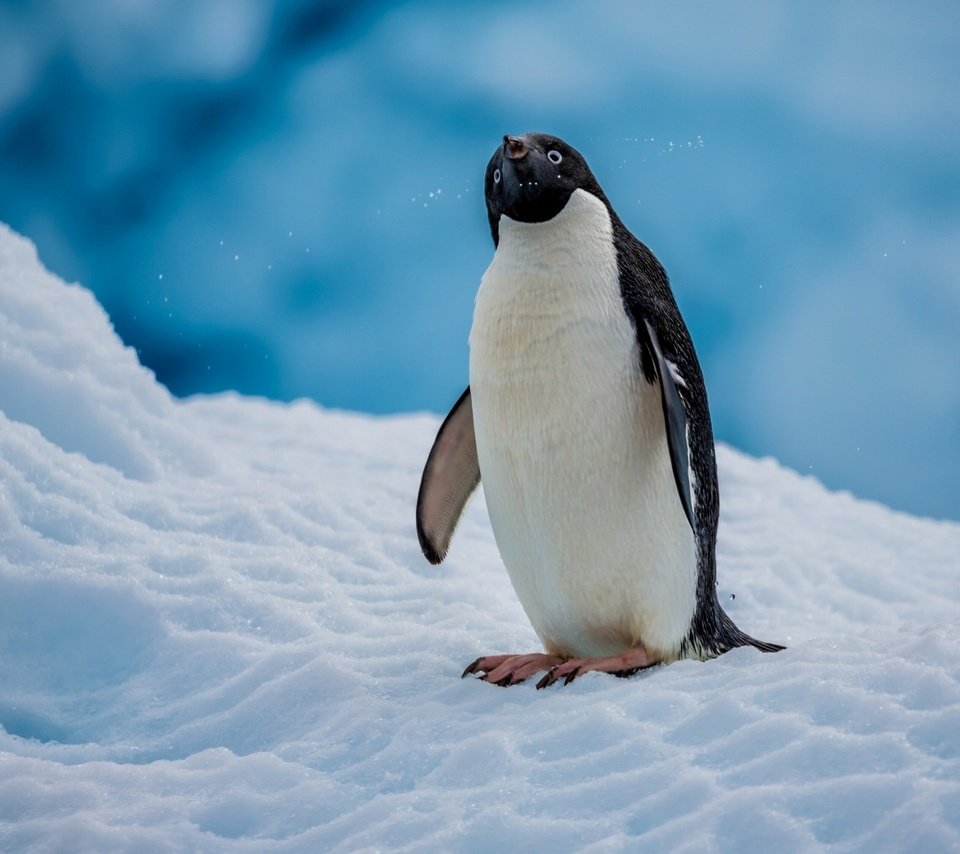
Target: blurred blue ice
(286, 198)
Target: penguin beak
(514, 147)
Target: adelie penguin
(586, 416)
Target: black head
(530, 178)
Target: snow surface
(217, 633)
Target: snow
(217, 633)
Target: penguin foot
(625, 664)
(511, 669)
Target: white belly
(572, 447)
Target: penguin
(586, 416)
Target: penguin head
(530, 178)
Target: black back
(647, 298)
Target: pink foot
(512, 669)
(625, 664)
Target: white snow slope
(217, 633)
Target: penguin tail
(734, 637)
(763, 646)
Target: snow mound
(217, 633)
(63, 370)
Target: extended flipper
(675, 420)
(450, 476)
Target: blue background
(286, 199)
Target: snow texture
(217, 633)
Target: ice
(217, 633)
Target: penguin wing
(450, 476)
(674, 418)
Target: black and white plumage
(587, 416)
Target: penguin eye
(554, 156)
(496, 176)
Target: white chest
(571, 443)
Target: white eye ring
(554, 156)
(496, 176)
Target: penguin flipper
(450, 476)
(675, 420)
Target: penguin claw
(568, 671)
(547, 680)
(626, 664)
(508, 670)
(472, 667)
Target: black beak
(514, 147)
